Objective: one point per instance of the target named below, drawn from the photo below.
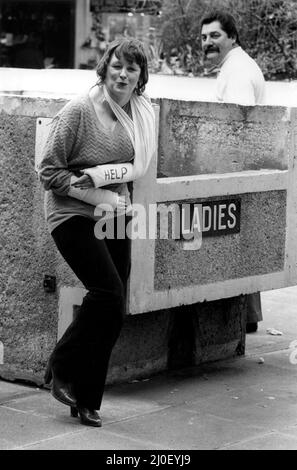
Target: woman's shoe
(60, 390)
(88, 417)
(73, 412)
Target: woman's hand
(83, 182)
(122, 205)
(119, 208)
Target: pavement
(243, 403)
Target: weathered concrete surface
(148, 343)
(201, 138)
(261, 237)
(178, 337)
(28, 313)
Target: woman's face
(121, 79)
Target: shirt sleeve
(53, 169)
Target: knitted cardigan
(78, 140)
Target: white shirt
(240, 80)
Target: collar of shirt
(215, 69)
(232, 51)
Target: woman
(110, 125)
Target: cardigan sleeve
(53, 170)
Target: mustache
(211, 49)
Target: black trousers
(82, 354)
(254, 308)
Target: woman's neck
(101, 104)
(121, 101)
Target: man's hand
(83, 182)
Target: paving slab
(184, 428)
(289, 430)
(9, 390)
(269, 441)
(242, 403)
(280, 313)
(44, 405)
(19, 428)
(267, 413)
(94, 439)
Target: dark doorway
(37, 34)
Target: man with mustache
(240, 81)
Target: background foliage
(267, 30)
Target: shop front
(70, 33)
(120, 18)
(37, 34)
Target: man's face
(215, 43)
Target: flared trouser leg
(82, 354)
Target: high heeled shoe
(87, 417)
(73, 411)
(60, 390)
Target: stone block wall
(194, 138)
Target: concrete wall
(210, 152)
(183, 333)
(28, 314)
(208, 138)
(66, 82)
(230, 256)
(201, 139)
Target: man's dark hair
(226, 20)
